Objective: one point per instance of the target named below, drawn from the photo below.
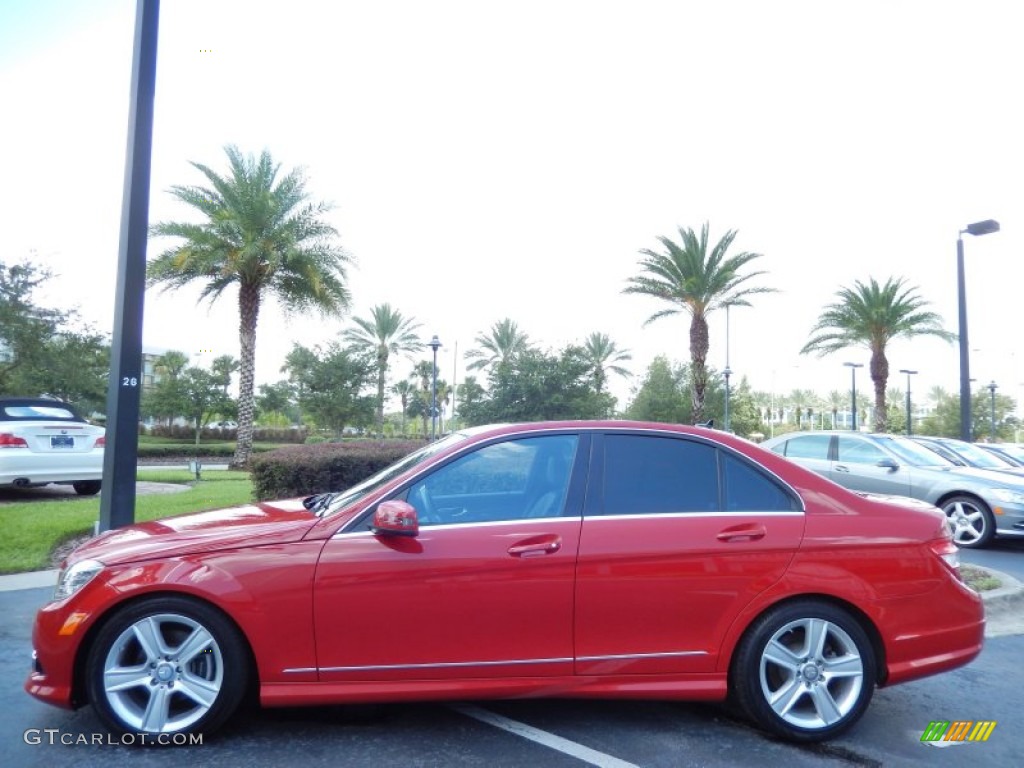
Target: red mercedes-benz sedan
(571, 559)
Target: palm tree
(696, 280)
(837, 400)
(871, 315)
(261, 234)
(384, 334)
(502, 343)
(602, 354)
(404, 389)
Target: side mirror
(889, 464)
(395, 518)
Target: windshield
(978, 457)
(916, 455)
(389, 473)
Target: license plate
(62, 441)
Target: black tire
(796, 691)
(193, 675)
(86, 487)
(970, 521)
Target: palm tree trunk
(249, 312)
(698, 368)
(382, 373)
(880, 377)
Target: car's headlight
(1007, 495)
(74, 577)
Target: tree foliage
(871, 315)
(538, 386)
(261, 236)
(47, 351)
(333, 383)
(695, 277)
(386, 332)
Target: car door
(484, 590)
(862, 465)
(678, 537)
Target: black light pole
(434, 344)
(977, 228)
(728, 371)
(124, 390)
(853, 392)
(992, 408)
(909, 374)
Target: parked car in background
(46, 441)
(587, 559)
(979, 503)
(965, 454)
(1012, 452)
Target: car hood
(250, 525)
(993, 477)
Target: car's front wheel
(970, 520)
(804, 671)
(166, 665)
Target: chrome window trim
(664, 515)
(424, 529)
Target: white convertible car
(46, 441)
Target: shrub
(301, 470)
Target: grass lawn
(33, 529)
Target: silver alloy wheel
(811, 673)
(163, 673)
(967, 521)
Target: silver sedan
(979, 503)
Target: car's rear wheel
(167, 665)
(804, 671)
(970, 520)
(86, 487)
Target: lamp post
(992, 409)
(909, 374)
(977, 228)
(434, 344)
(853, 393)
(727, 373)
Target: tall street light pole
(992, 409)
(434, 344)
(977, 228)
(853, 393)
(909, 421)
(728, 371)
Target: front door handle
(841, 468)
(744, 532)
(536, 546)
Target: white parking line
(571, 748)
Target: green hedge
(302, 470)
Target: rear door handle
(745, 532)
(536, 546)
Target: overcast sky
(493, 159)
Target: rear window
(37, 412)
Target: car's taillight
(7, 440)
(101, 441)
(949, 553)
